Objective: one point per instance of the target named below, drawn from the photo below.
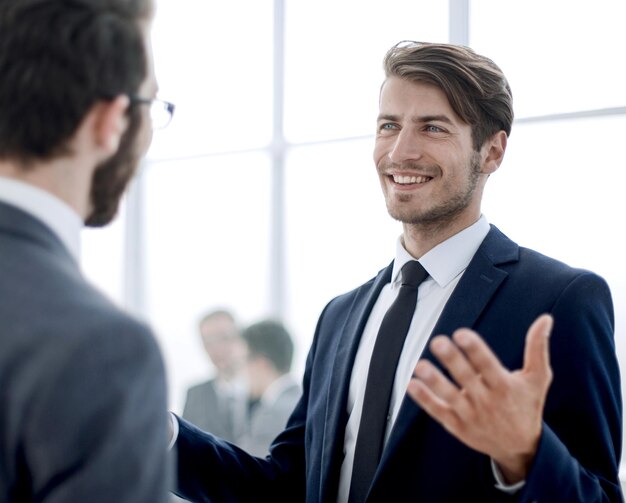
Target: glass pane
(207, 242)
(559, 56)
(560, 191)
(215, 64)
(339, 232)
(102, 257)
(334, 52)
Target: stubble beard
(441, 215)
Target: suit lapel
(479, 283)
(347, 346)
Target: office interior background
(261, 195)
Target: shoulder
(62, 319)
(202, 388)
(530, 266)
(537, 283)
(100, 324)
(109, 340)
(539, 269)
(344, 302)
(291, 390)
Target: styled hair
(269, 338)
(475, 86)
(57, 59)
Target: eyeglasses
(161, 112)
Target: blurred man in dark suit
(219, 404)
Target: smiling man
(393, 411)
(431, 176)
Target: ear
(492, 152)
(109, 123)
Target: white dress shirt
(54, 213)
(445, 265)
(235, 395)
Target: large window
(262, 195)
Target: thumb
(537, 350)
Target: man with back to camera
(83, 400)
(489, 417)
(273, 391)
(219, 404)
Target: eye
(387, 126)
(430, 128)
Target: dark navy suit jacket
(503, 290)
(82, 385)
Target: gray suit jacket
(82, 388)
(210, 411)
(269, 418)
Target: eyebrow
(418, 120)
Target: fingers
(537, 350)
(491, 409)
(480, 356)
(428, 390)
(468, 359)
(440, 395)
(466, 355)
(435, 381)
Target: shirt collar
(64, 222)
(449, 258)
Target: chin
(101, 218)
(109, 184)
(404, 214)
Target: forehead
(217, 324)
(403, 97)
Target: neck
(230, 374)
(63, 178)
(419, 238)
(263, 382)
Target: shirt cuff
(174, 429)
(501, 484)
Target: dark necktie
(380, 378)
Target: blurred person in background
(219, 405)
(273, 391)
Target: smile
(409, 180)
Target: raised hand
(487, 407)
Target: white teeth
(406, 180)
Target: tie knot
(413, 273)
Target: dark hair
(57, 59)
(270, 338)
(474, 85)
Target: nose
(406, 147)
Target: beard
(112, 177)
(443, 213)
